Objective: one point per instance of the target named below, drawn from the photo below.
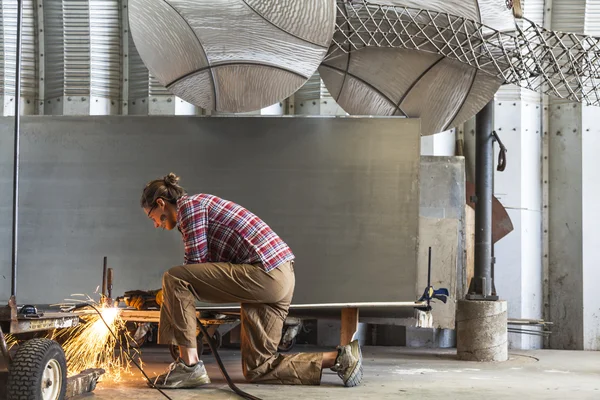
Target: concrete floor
(397, 372)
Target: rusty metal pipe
(109, 283)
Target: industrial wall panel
(76, 42)
(8, 26)
(156, 88)
(138, 73)
(592, 18)
(534, 10)
(343, 192)
(568, 15)
(105, 47)
(54, 58)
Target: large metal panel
(343, 192)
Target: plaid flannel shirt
(217, 230)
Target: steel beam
(481, 286)
(13, 287)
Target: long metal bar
(481, 285)
(320, 306)
(104, 272)
(13, 288)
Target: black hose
(126, 352)
(213, 348)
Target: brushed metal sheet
(370, 101)
(232, 32)
(482, 91)
(250, 87)
(163, 39)
(307, 19)
(438, 95)
(343, 192)
(395, 72)
(197, 89)
(333, 79)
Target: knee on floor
(251, 376)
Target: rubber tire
(27, 368)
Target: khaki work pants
(265, 298)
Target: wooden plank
(154, 316)
(349, 325)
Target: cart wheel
(38, 371)
(174, 349)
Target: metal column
(13, 288)
(481, 285)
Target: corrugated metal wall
(592, 17)
(105, 29)
(8, 32)
(73, 58)
(79, 59)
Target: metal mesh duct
(383, 79)
(561, 64)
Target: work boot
(180, 376)
(348, 364)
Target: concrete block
(430, 337)
(482, 330)
(329, 331)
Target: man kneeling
(231, 255)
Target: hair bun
(171, 179)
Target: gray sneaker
(348, 364)
(180, 376)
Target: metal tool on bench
(430, 292)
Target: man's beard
(163, 221)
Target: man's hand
(141, 299)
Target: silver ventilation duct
(406, 82)
(234, 56)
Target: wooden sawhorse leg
(349, 325)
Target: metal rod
(15, 222)
(104, 273)
(392, 304)
(429, 269)
(481, 285)
(109, 283)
